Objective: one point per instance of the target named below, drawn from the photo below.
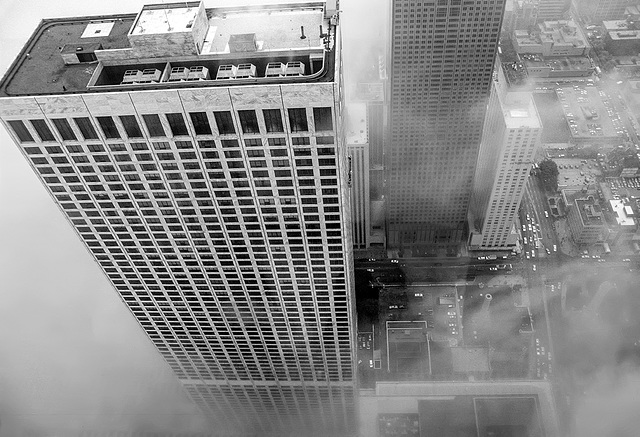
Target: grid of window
(200, 123)
(249, 122)
(298, 120)
(322, 119)
(131, 127)
(43, 130)
(86, 128)
(441, 74)
(229, 252)
(64, 129)
(108, 127)
(273, 120)
(224, 122)
(154, 125)
(21, 131)
(177, 125)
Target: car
(418, 294)
(546, 214)
(370, 270)
(555, 248)
(533, 253)
(534, 267)
(626, 260)
(395, 261)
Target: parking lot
(589, 113)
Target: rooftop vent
(244, 42)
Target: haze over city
(459, 257)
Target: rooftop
(622, 212)
(357, 123)
(182, 43)
(559, 64)
(590, 211)
(520, 111)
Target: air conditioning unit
(131, 76)
(198, 73)
(178, 73)
(246, 71)
(274, 69)
(226, 72)
(150, 75)
(295, 68)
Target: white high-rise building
(198, 153)
(509, 145)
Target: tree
(549, 175)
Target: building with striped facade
(199, 155)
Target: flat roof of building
(623, 213)
(520, 111)
(566, 63)
(40, 68)
(590, 211)
(357, 123)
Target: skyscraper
(442, 56)
(198, 154)
(510, 141)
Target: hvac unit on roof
(178, 74)
(150, 75)
(226, 72)
(131, 76)
(198, 73)
(295, 68)
(274, 69)
(246, 71)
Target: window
(108, 127)
(200, 123)
(249, 122)
(154, 126)
(131, 126)
(298, 120)
(322, 119)
(43, 130)
(64, 129)
(21, 131)
(273, 120)
(224, 122)
(176, 124)
(86, 128)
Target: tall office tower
(198, 154)
(511, 137)
(442, 58)
(599, 10)
(550, 10)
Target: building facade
(199, 155)
(511, 139)
(442, 58)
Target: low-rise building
(622, 37)
(586, 220)
(567, 66)
(552, 38)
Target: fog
(72, 358)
